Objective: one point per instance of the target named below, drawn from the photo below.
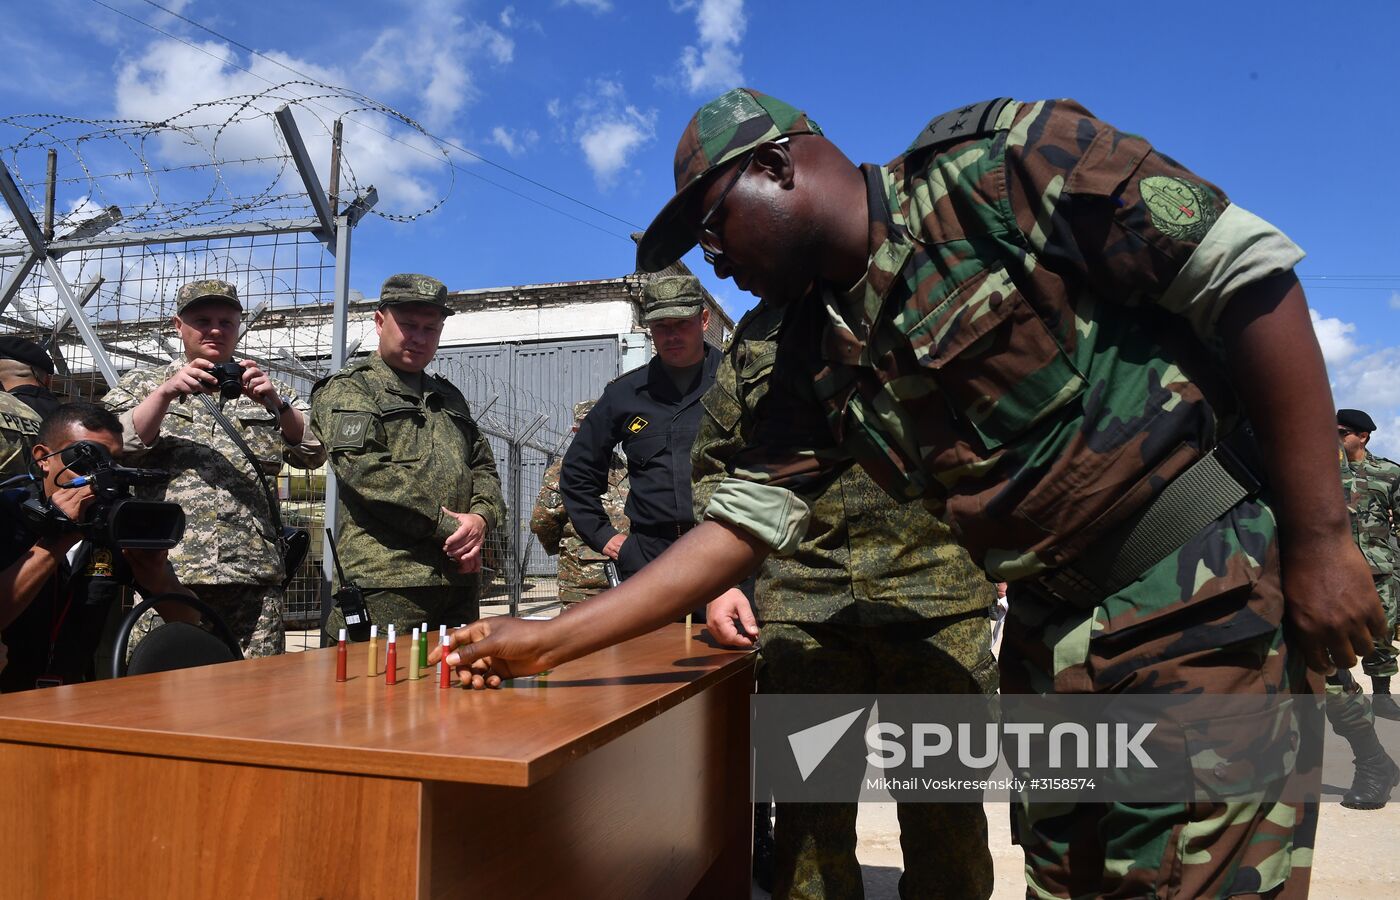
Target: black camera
(116, 519)
(230, 375)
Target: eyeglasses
(710, 243)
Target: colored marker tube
(423, 649)
(391, 659)
(413, 664)
(373, 650)
(444, 670)
(342, 656)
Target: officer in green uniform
(877, 598)
(1376, 515)
(1064, 343)
(418, 489)
(1349, 711)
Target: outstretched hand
(490, 650)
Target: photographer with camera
(65, 549)
(231, 555)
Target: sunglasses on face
(710, 243)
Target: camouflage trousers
(1207, 619)
(408, 608)
(252, 612)
(1348, 708)
(945, 844)
(1381, 662)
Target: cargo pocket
(994, 359)
(402, 422)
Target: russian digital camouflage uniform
(581, 573)
(1033, 354)
(19, 427)
(876, 598)
(402, 448)
(1376, 505)
(229, 555)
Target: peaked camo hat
(410, 288)
(725, 128)
(191, 292)
(672, 297)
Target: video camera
(116, 519)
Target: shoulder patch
(637, 424)
(351, 429)
(973, 120)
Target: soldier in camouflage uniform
(418, 489)
(1063, 342)
(1349, 710)
(19, 425)
(877, 598)
(229, 556)
(581, 572)
(1376, 517)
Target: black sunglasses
(709, 241)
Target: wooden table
(622, 774)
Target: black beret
(12, 346)
(1355, 419)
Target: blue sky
(1285, 104)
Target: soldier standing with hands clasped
(418, 485)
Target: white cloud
(1363, 377)
(428, 56)
(597, 6)
(1395, 299)
(1334, 336)
(171, 77)
(512, 142)
(716, 64)
(608, 129)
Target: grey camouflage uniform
(229, 554)
(19, 426)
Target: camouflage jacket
(863, 559)
(19, 426)
(1375, 508)
(580, 566)
(399, 458)
(229, 533)
(1032, 350)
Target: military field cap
(723, 129)
(582, 409)
(672, 297)
(410, 288)
(1355, 419)
(192, 292)
(12, 346)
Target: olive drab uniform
(403, 447)
(877, 598)
(19, 426)
(229, 555)
(1033, 353)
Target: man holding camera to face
(172, 419)
(59, 571)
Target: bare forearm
(1277, 368)
(693, 571)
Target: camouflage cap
(582, 409)
(191, 292)
(410, 288)
(723, 129)
(672, 297)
